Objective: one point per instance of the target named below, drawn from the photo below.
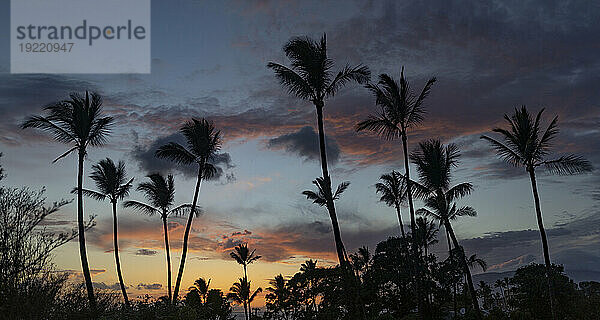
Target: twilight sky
(209, 60)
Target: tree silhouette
(242, 294)
(200, 288)
(203, 142)
(112, 184)
(426, 233)
(160, 192)
(243, 256)
(434, 164)
(524, 145)
(399, 110)
(78, 122)
(310, 78)
(278, 296)
(393, 193)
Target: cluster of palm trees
(80, 123)
(399, 109)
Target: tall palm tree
(203, 142)
(393, 193)
(111, 182)
(426, 233)
(242, 294)
(399, 110)
(278, 293)
(525, 145)
(243, 256)
(310, 78)
(434, 164)
(160, 192)
(78, 122)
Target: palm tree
(310, 78)
(474, 261)
(426, 233)
(393, 192)
(203, 142)
(78, 122)
(243, 256)
(400, 110)
(278, 293)
(201, 288)
(526, 146)
(240, 293)
(112, 184)
(322, 197)
(361, 259)
(434, 164)
(160, 192)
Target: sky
(209, 60)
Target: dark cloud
(144, 155)
(305, 143)
(149, 286)
(145, 252)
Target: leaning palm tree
(203, 142)
(240, 293)
(474, 261)
(310, 78)
(78, 122)
(399, 110)
(525, 145)
(243, 256)
(160, 192)
(434, 164)
(393, 193)
(112, 184)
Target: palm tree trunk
(330, 205)
(164, 219)
(538, 212)
(246, 311)
(453, 285)
(411, 207)
(400, 221)
(117, 261)
(186, 235)
(81, 234)
(466, 270)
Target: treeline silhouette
(400, 279)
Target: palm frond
(175, 152)
(91, 193)
(359, 74)
(316, 199)
(185, 209)
(459, 191)
(65, 154)
(340, 189)
(295, 84)
(381, 125)
(504, 152)
(140, 206)
(465, 211)
(44, 124)
(568, 165)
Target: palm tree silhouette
(310, 78)
(526, 146)
(279, 292)
(426, 233)
(243, 256)
(240, 293)
(474, 261)
(160, 192)
(400, 110)
(112, 184)
(78, 122)
(434, 164)
(393, 192)
(201, 287)
(203, 142)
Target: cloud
(149, 286)
(103, 286)
(305, 143)
(148, 162)
(145, 252)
